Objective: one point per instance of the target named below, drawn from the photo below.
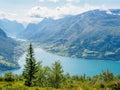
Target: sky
(26, 11)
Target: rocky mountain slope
(94, 34)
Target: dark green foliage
(1, 78)
(115, 85)
(107, 76)
(102, 85)
(9, 76)
(83, 77)
(40, 75)
(30, 68)
(52, 78)
(56, 74)
(18, 77)
(43, 76)
(118, 76)
(49, 78)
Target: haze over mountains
(93, 34)
(12, 28)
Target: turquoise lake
(73, 66)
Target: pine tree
(57, 74)
(30, 68)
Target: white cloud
(7, 15)
(41, 0)
(20, 18)
(37, 13)
(73, 1)
(54, 1)
(58, 12)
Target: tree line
(36, 75)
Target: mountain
(94, 34)
(7, 46)
(12, 28)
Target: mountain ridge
(11, 28)
(93, 34)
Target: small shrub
(1, 79)
(115, 85)
(102, 85)
(9, 76)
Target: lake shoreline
(48, 58)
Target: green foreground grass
(38, 77)
(69, 84)
(19, 85)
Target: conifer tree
(57, 74)
(30, 68)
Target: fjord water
(73, 66)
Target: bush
(107, 76)
(1, 79)
(115, 85)
(9, 76)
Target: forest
(35, 76)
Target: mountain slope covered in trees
(93, 34)
(7, 46)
